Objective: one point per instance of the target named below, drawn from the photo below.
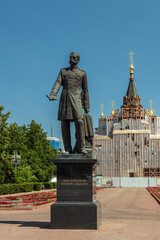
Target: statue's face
(74, 59)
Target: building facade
(55, 143)
(127, 143)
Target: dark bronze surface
(74, 98)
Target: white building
(127, 143)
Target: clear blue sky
(37, 36)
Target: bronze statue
(74, 83)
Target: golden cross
(102, 110)
(151, 103)
(131, 56)
(101, 107)
(112, 105)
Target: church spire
(51, 131)
(131, 100)
(131, 68)
(131, 97)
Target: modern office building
(55, 142)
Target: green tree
(17, 135)
(24, 174)
(6, 167)
(31, 143)
(39, 153)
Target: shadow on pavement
(45, 225)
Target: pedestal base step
(75, 215)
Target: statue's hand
(86, 110)
(52, 97)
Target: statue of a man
(74, 82)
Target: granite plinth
(76, 215)
(76, 206)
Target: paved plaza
(127, 214)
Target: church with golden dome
(127, 143)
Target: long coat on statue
(73, 82)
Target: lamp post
(16, 158)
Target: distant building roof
(54, 138)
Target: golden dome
(131, 68)
(102, 115)
(151, 113)
(112, 113)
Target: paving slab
(127, 214)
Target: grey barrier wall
(127, 182)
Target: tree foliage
(30, 142)
(24, 174)
(6, 167)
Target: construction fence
(127, 182)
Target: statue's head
(74, 58)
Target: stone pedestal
(76, 206)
